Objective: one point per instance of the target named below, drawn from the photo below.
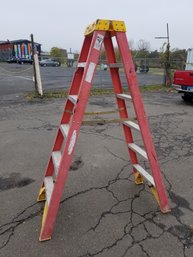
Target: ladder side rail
(85, 49)
(67, 114)
(111, 58)
(49, 171)
(142, 119)
(74, 131)
(68, 108)
(58, 140)
(76, 80)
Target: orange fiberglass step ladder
(97, 34)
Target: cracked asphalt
(102, 212)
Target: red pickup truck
(183, 83)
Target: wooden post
(33, 51)
(36, 68)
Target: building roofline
(17, 41)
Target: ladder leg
(70, 127)
(142, 119)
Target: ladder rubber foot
(42, 195)
(138, 178)
(154, 192)
(166, 209)
(44, 239)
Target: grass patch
(46, 95)
(156, 88)
(96, 91)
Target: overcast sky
(62, 23)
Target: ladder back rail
(117, 86)
(142, 119)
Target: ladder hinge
(106, 25)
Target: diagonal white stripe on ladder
(138, 150)
(56, 157)
(64, 128)
(124, 96)
(144, 173)
(49, 185)
(73, 98)
(132, 124)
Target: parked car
(144, 68)
(49, 62)
(24, 61)
(104, 66)
(12, 60)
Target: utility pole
(36, 68)
(33, 52)
(167, 62)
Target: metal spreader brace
(97, 34)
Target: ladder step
(73, 98)
(56, 157)
(124, 96)
(81, 65)
(64, 129)
(138, 150)
(49, 185)
(144, 173)
(132, 124)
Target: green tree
(178, 58)
(103, 55)
(166, 62)
(154, 54)
(58, 54)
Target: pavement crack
(143, 250)
(108, 247)
(10, 227)
(82, 193)
(115, 155)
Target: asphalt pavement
(102, 212)
(17, 79)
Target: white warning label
(98, 42)
(90, 72)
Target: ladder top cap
(105, 25)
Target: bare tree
(143, 45)
(131, 44)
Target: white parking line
(26, 78)
(15, 77)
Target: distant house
(17, 48)
(44, 55)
